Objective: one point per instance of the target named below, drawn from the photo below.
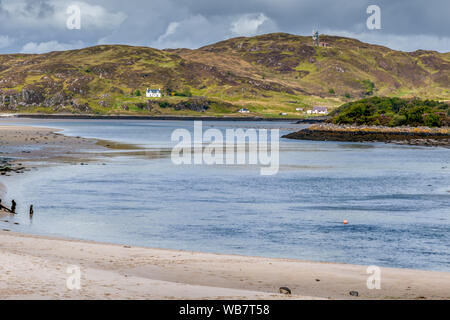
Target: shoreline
(31, 270)
(430, 137)
(168, 117)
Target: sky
(37, 26)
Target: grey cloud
(406, 24)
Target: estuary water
(395, 198)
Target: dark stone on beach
(354, 293)
(285, 290)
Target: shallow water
(395, 198)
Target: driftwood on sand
(4, 209)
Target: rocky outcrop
(59, 102)
(81, 107)
(12, 100)
(194, 104)
(198, 105)
(59, 99)
(411, 136)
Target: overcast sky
(35, 26)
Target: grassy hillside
(267, 74)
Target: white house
(319, 110)
(152, 93)
(244, 110)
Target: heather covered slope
(343, 67)
(268, 74)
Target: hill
(267, 74)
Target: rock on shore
(401, 135)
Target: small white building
(298, 109)
(244, 110)
(153, 93)
(319, 110)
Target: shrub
(432, 120)
(368, 87)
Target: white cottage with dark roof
(320, 110)
(153, 93)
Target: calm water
(395, 197)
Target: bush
(164, 104)
(398, 120)
(432, 120)
(368, 87)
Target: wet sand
(33, 267)
(21, 144)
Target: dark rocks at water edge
(6, 167)
(400, 135)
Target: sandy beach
(23, 148)
(46, 145)
(34, 267)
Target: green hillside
(267, 74)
